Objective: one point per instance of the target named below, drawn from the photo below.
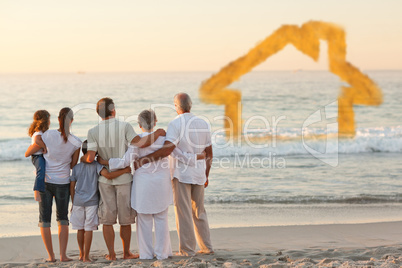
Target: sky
(129, 35)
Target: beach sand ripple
(340, 245)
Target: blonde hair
(41, 120)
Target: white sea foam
(288, 142)
(367, 140)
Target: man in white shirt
(190, 134)
(110, 139)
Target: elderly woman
(151, 192)
(63, 150)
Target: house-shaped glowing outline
(306, 38)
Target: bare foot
(87, 260)
(51, 258)
(131, 256)
(65, 259)
(205, 252)
(110, 257)
(183, 254)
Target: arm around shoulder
(110, 175)
(89, 157)
(147, 140)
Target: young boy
(85, 198)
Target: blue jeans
(40, 164)
(61, 193)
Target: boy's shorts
(84, 218)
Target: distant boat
(80, 72)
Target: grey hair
(147, 119)
(184, 101)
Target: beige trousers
(115, 203)
(191, 218)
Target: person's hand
(160, 132)
(37, 196)
(206, 183)
(201, 155)
(82, 160)
(44, 150)
(102, 161)
(137, 164)
(127, 170)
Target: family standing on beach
(172, 165)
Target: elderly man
(190, 134)
(110, 139)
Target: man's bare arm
(149, 139)
(166, 150)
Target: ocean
(274, 175)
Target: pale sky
(113, 36)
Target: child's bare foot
(130, 255)
(87, 259)
(37, 196)
(111, 257)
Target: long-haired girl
(41, 123)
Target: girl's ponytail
(65, 117)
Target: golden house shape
(362, 89)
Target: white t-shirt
(58, 156)
(37, 133)
(190, 134)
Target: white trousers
(145, 222)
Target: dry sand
(340, 245)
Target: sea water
(281, 172)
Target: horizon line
(81, 72)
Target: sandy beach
(340, 245)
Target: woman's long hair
(41, 120)
(66, 115)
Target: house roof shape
(362, 89)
